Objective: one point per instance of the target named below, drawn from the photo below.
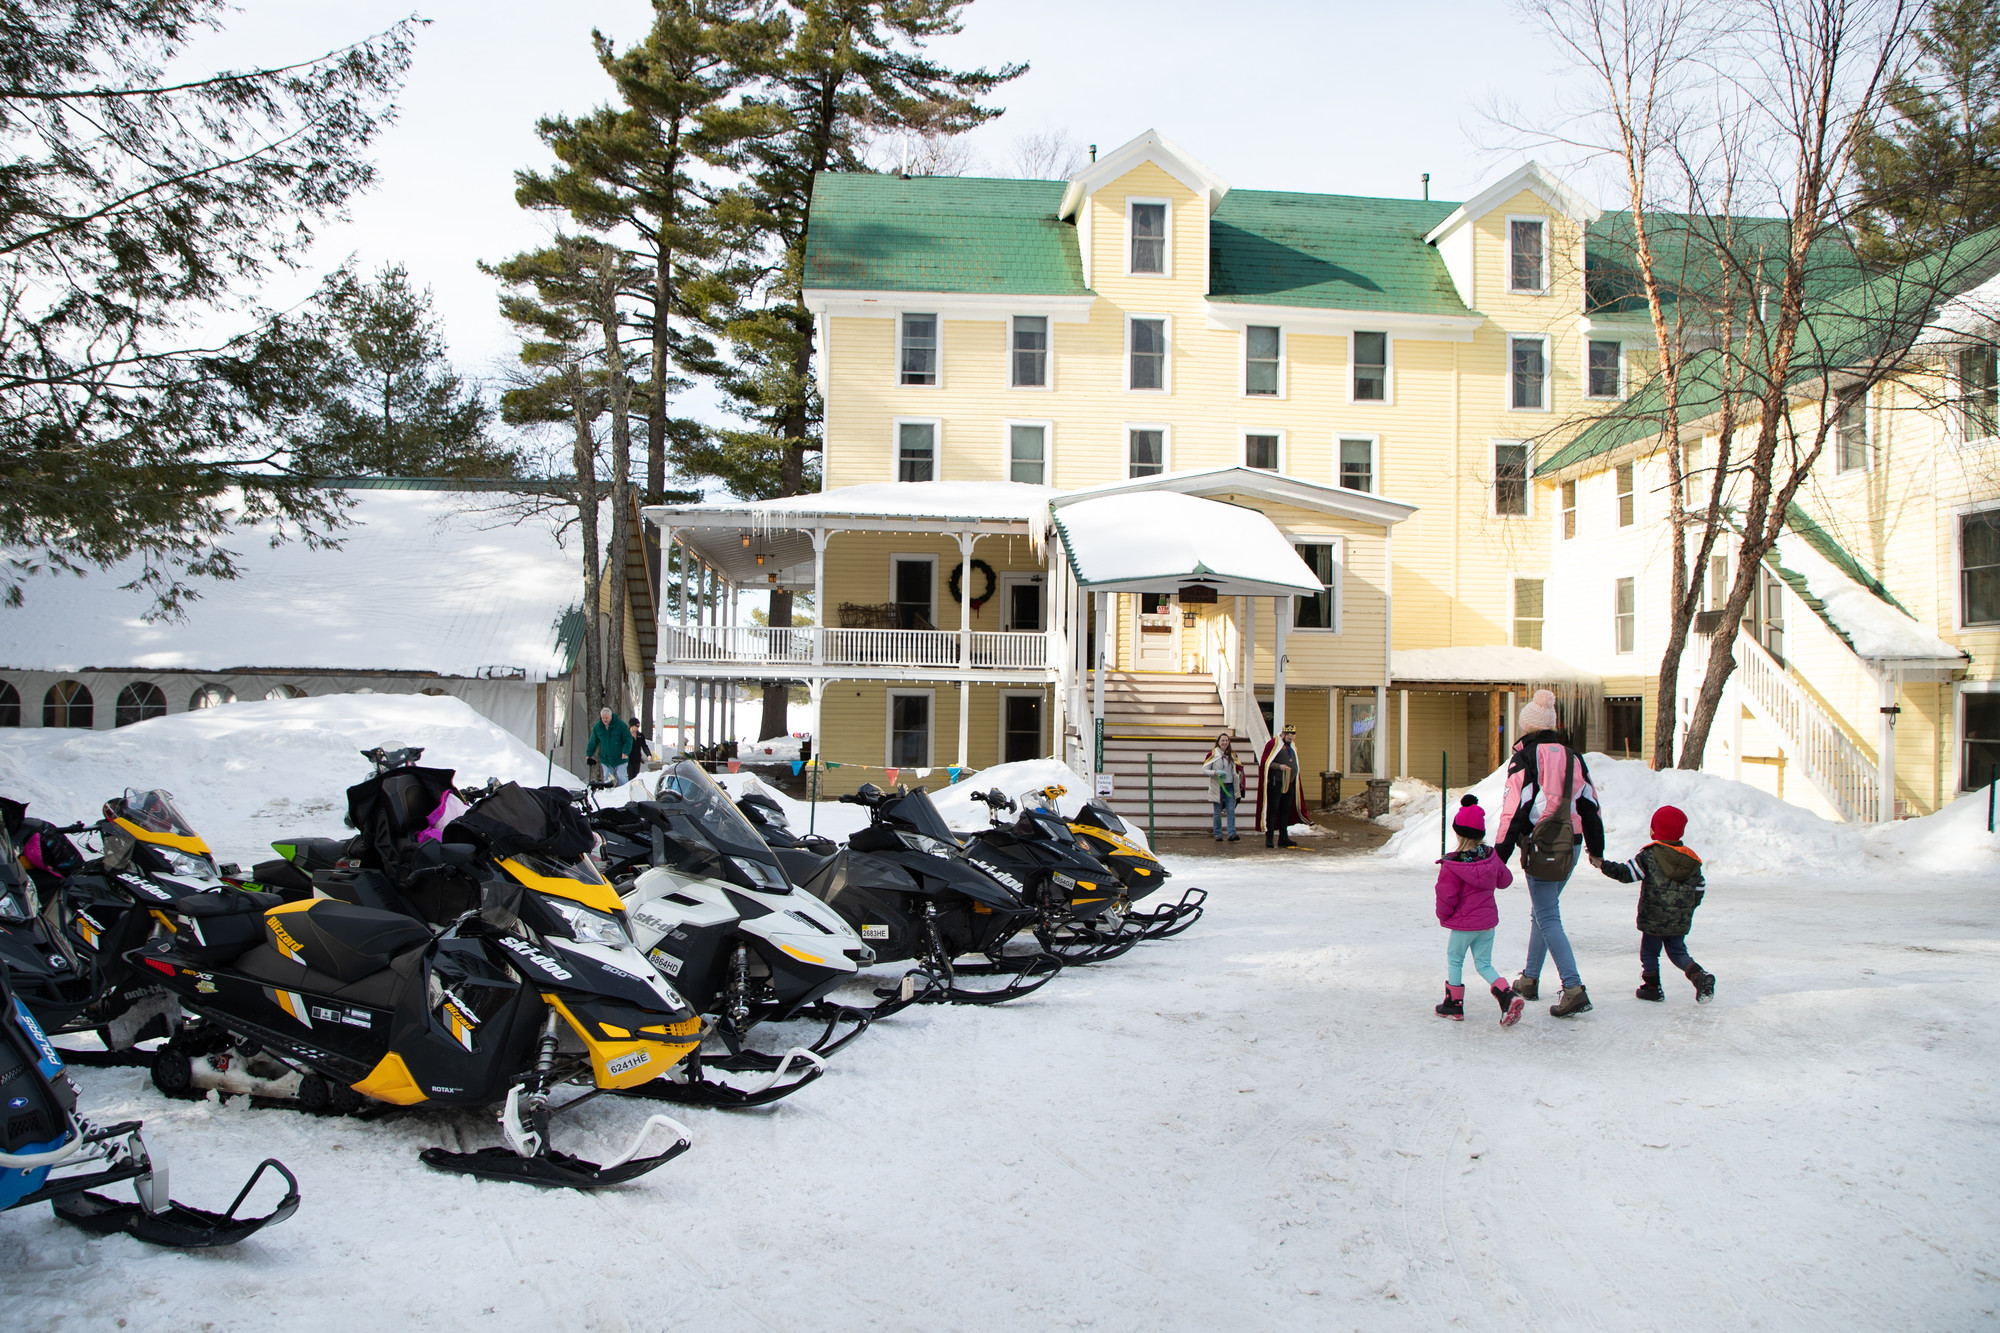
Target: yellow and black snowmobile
(1102, 833)
(338, 1007)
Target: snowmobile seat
(377, 990)
(281, 877)
(343, 941)
(217, 927)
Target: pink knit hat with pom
(1470, 819)
(1540, 713)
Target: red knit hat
(1669, 822)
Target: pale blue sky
(1344, 98)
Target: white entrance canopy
(1156, 541)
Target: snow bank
(1737, 829)
(960, 811)
(1877, 630)
(247, 773)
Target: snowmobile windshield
(723, 824)
(916, 812)
(155, 812)
(1104, 817)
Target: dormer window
(1148, 225)
(1527, 255)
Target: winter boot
(1454, 1004)
(1704, 983)
(1527, 987)
(1511, 1004)
(1575, 1000)
(1649, 987)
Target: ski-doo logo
(530, 953)
(625, 1064)
(1003, 877)
(869, 932)
(156, 891)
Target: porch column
(1381, 750)
(662, 653)
(1492, 730)
(819, 536)
(966, 541)
(1734, 697)
(1054, 647)
(1249, 676)
(1886, 750)
(1103, 600)
(1281, 608)
(1402, 733)
(1239, 722)
(682, 736)
(1513, 725)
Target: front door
(1022, 738)
(1023, 603)
(1361, 738)
(1156, 636)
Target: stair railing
(1844, 774)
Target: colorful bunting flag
(892, 772)
(954, 773)
(797, 764)
(923, 772)
(735, 764)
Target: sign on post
(1097, 765)
(1106, 785)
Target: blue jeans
(1545, 927)
(1228, 805)
(1481, 944)
(1649, 953)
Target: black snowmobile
(1079, 901)
(907, 887)
(49, 1152)
(52, 978)
(337, 1007)
(1100, 831)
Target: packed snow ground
(1259, 1124)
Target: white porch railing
(1845, 776)
(809, 646)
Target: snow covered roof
(1156, 540)
(1216, 482)
(934, 501)
(1874, 628)
(1494, 663)
(428, 581)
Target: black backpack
(1549, 850)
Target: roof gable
(1152, 147)
(1532, 176)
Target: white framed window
(1355, 461)
(917, 352)
(1979, 393)
(1264, 450)
(910, 727)
(1625, 615)
(1850, 438)
(1513, 464)
(1604, 368)
(1027, 459)
(1527, 254)
(1322, 610)
(1528, 613)
(1527, 372)
(1149, 237)
(913, 589)
(1147, 342)
(915, 443)
(1628, 508)
(1979, 733)
(1369, 356)
(1263, 361)
(1569, 509)
(1148, 448)
(1977, 548)
(1360, 735)
(1023, 725)
(1028, 352)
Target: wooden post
(1492, 730)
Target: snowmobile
(1080, 903)
(715, 911)
(50, 976)
(801, 854)
(1101, 832)
(45, 1148)
(337, 1007)
(907, 888)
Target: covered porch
(1467, 702)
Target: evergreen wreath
(957, 583)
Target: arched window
(433, 691)
(139, 701)
(10, 705)
(67, 704)
(284, 692)
(212, 696)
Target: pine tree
(389, 402)
(850, 69)
(133, 208)
(1931, 174)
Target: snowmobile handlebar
(384, 758)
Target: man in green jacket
(610, 743)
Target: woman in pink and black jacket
(1534, 788)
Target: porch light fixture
(772, 576)
(760, 554)
(746, 540)
(1188, 619)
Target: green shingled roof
(1330, 251)
(940, 234)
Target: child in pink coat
(1465, 906)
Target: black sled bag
(1550, 848)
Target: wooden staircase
(1173, 718)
